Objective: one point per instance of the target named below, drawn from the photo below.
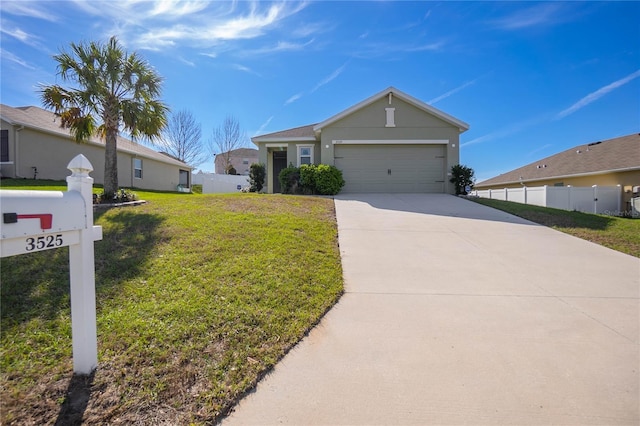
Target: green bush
(121, 196)
(289, 179)
(196, 188)
(328, 180)
(307, 178)
(257, 175)
(461, 177)
(319, 179)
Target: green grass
(618, 233)
(197, 297)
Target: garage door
(391, 168)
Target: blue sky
(531, 78)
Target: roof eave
(259, 139)
(603, 172)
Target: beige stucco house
(604, 163)
(34, 144)
(240, 159)
(390, 142)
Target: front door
(279, 163)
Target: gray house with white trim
(388, 143)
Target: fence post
(570, 198)
(506, 194)
(524, 194)
(489, 193)
(619, 210)
(544, 196)
(595, 199)
(82, 275)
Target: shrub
(461, 177)
(257, 175)
(311, 179)
(196, 188)
(328, 180)
(308, 178)
(289, 179)
(121, 196)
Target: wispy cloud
(177, 8)
(425, 47)
(28, 8)
(537, 150)
(505, 131)
(540, 14)
(246, 69)
(8, 56)
(194, 23)
(186, 61)
(451, 92)
(281, 46)
(330, 77)
(263, 126)
(594, 96)
(374, 50)
(26, 38)
(293, 98)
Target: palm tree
(113, 91)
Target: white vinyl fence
(590, 199)
(217, 184)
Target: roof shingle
(621, 153)
(41, 119)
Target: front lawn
(618, 233)
(198, 296)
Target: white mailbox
(40, 220)
(43, 220)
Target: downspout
(15, 150)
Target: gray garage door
(391, 168)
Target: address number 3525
(44, 242)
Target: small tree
(461, 177)
(182, 138)
(257, 174)
(225, 139)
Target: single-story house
(390, 142)
(604, 163)
(34, 145)
(240, 159)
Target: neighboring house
(240, 159)
(390, 142)
(34, 145)
(605, 163)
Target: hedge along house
(34, 145)
(388, 143)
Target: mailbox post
(42, 220)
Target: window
(245, 161)
(4, 146)
(184, 178)
(137, 168)
(305, 154)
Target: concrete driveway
(456, 313)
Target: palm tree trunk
(111, 152)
